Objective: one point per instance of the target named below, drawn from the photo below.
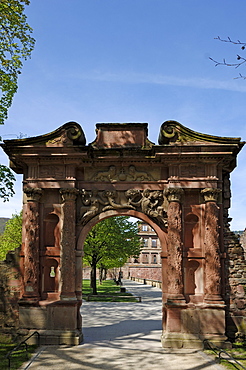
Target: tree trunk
(101, 275)
(94, 278)
(105, 274)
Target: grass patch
(18, 357)
(238, 352)
(108, 291)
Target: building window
(146, 242)
(154, 258)
(144, 227)
(145, 258)
(154, 243)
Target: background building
(148, 264)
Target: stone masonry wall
(10, 289)
(150, 272)
(235, 287)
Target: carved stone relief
(52, 171)
(123, 174)
(149, 202)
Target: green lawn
(17, 358)
(238, 352)
(108, 291)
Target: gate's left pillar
(31, 317)
(63, 317)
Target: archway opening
(108, 316)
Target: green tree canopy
(12, 236)
(16, 45)
(6, 183)
(110, 243)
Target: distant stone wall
(146, 272)
(10, 289)
(235, 287)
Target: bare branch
(241, 60)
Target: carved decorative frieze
(149, 202)
(52, 171)
(69, 194)
(191, 170)
(33, 194)
(174, 194)
(210, 194)
(123, 174)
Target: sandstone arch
(180, 187)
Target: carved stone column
(31, 247)
(212, 247)
(68, 244)
(174, 253)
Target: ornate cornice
(210, 194)
(174, 132)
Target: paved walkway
(115, 338)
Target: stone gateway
(180, 187)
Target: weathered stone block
(212, 321)
(33, 317)
(190, 321)
(62, 317)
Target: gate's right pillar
(187, 323)
(213, 312)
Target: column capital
(33, 194)
(69, 194)
(174, 194)
(210, 194)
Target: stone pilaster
(31, 244)
(68, 244)
(212, 247)
(175, 253)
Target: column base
(192, 341)
(175, 300)
(54, 337)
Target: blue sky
(133, 61)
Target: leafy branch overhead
(16, 45)
(240, 60)
(6, 183)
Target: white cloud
(157, 79)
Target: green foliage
(111, 242)
(12, 236)
(16, 44)
(18, 357)
(3, 221)
(108, 291)
(6, 182)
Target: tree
(109, 244)
(6, 183)
(16, 44)
(240, 60)
(12, 236)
